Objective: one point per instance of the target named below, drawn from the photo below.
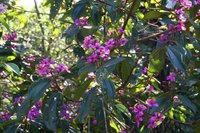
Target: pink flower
(2, 9)
(186, 4)
(92, 58)
(151, 103)
(111, 32)
(88, 41)
(145, 70)
(39, 104)
(181, 27)
(110, 43)
(138, 110)
(171, 77)
(179, 11)
(91, 75)
(197, 2)
(82, 22)
(157, 117)
(182, 19)
(150, 88)
(44, 67)
(10, 36)
(122, 41)
(164, 38)
(61, 68)
(120, 31)
(94, 122)
(198, 12)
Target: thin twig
(41, 27)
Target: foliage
(100, 66)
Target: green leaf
(38, 88)
(109, 88)
(153, 15)
(113, 61)
(64, 125)
(4, 23)
(78, 9)
(49, 110)
(113, 13)
(125, 69)
(72, 31)
(11, 67)
(186, 101)
(85, 105)
(123, 109)
(156, 61)
(87, 68)
(96, 15)
(178, 56)
(55, 8)
(79, 51)
(136, 5)
(12, 128)
(35, 92)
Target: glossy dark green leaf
(85, 105)
(12, 67)
(187, 102)
(35, 92)
(12, 128)
(79, 9)
(178, 56)
(113, 61)
(113, 14)
(109, 88)
(87, 68)
(72, 31)
(125, 69)
(50, 110)
(156, 61)
(55, 8)
(153, 15)
(78, 51)
(64, 125)
(96, 15)
(136, 5)
(123, 109)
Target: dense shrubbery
(100, 66)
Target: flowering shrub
(100, 66)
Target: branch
(41, 27)
(149, 37)
(129, 76)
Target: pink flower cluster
(138, 110)
(155, 119)
(4, 116)
(64, 113)
(102, 51)
(82, 22)
(2, 9)
(185, 5)
(151, 103)
(171, 77)
(48, 66)
(197, 2)
(91, 75)
(10, 36)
